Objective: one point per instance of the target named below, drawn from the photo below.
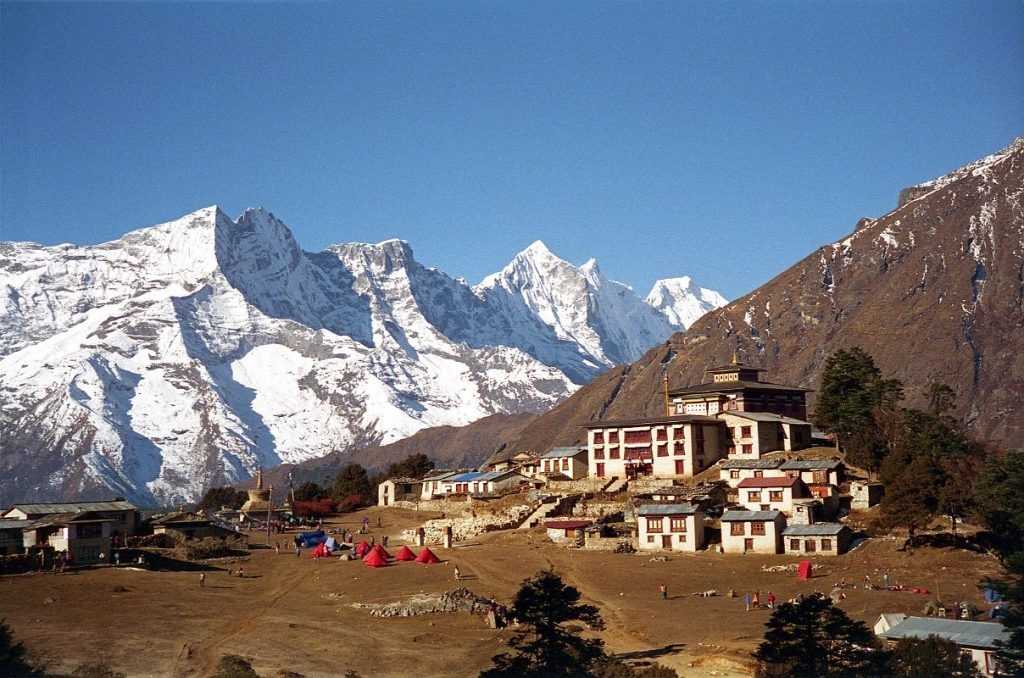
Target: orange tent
(427, 557)
(380, 549)
(405, 553)
(374, 559)
(362, 548)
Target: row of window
(754, 496)
(739, 529)
(552, 465)
(675, 525)
(747, 449)
(680, 539)
(638, 452)
(810, 545)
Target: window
(748, 449)
(735, 473)
(565, 464)
(599, 437)
(650, 539)
(820, 477)
(613, 436)
(638, 436)
(598, 454)
(654, 524)
(613, 453)
(731, 449)
(681, 538)
(662, 450)
(678, 524)
(736, 529)
(745, 431)
(826, 544)
(679, 408)
(794, 544)
(754, 496)
(757, 528)
(759, 474)
(775, 495)
(810, 546)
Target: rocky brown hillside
(934, 290)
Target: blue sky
(722, 140)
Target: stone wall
(467, 527)
(575, 486)
(598, 509)
(598, 543)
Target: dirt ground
(296, 613)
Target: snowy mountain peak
(683, 302)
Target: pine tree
(546, 645)
(352, 481)
(931, 657)
(852, 392)
(815, 639)
(13, 656)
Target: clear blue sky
(723, 140)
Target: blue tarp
(307, 539)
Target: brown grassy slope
(934, 290)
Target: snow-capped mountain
(683, 302)
(187, 354)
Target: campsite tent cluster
(376, 555)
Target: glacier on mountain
(189, 353)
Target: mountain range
(187, 354)
(933, 290)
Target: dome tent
(375, 559)
(405, 553)
(427, 557)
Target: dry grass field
(296, 614)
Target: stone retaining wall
(464, 528)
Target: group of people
(752, 601)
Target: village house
(433, 484)
(670, 527)
(665, 447)
(738, 388)
(979, 639)
(123, 515)
(822, 476)
(806, 511)
(865, 494)
(11, 540)
(569, 462)
(85, 537)
(822, 539)
(567, 530)
(526, 463)
(190, 526)
(735, 414)
(752, 531)
(734, 471)
(399, 489)
(771, 494)
(481, 483)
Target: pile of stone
(467, 527)
(458, 600)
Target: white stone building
(752, 531)
(819, 539)
(734, 471)
(670, 527)
(771, 494)
(570, 462)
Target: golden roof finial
(735, 358)
(259, 478)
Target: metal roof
(814, 530)
(12, 524)
(730, 386)
(962, 632)
(567, 524)
(558, 452)
(666, 509)
(750, 463)
(743, 516)
(466, 477)
(441, 476)
(74, 507)
(811, 464)
(767, 416)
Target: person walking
(241, 573)
(746, 601)
(757, 599)
(202, 580)
(663, 590)
(384, 540)
(458, 574)
(771, 600)
(298, 551)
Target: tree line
(931, 468)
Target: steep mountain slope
(934, 290)
(189, 353)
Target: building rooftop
(782, 481)
(768, 417)
(815, 530)
(734, 516)
(811, 465)
(731, 386)
(567, 524)
(964, 633)
(74, 507)
(673, 419)
(751, 463)
(666, 509)
(734, 366)
(558, 452)
(12, 524)
(442, 475)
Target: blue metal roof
(964, 633)
(814, 530)
(465, 477)
(742, 516)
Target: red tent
(375, 559)
(362, 548)
(427, 557)
(405, 553)
(380, 549)
(321, 551)
(804, 570)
